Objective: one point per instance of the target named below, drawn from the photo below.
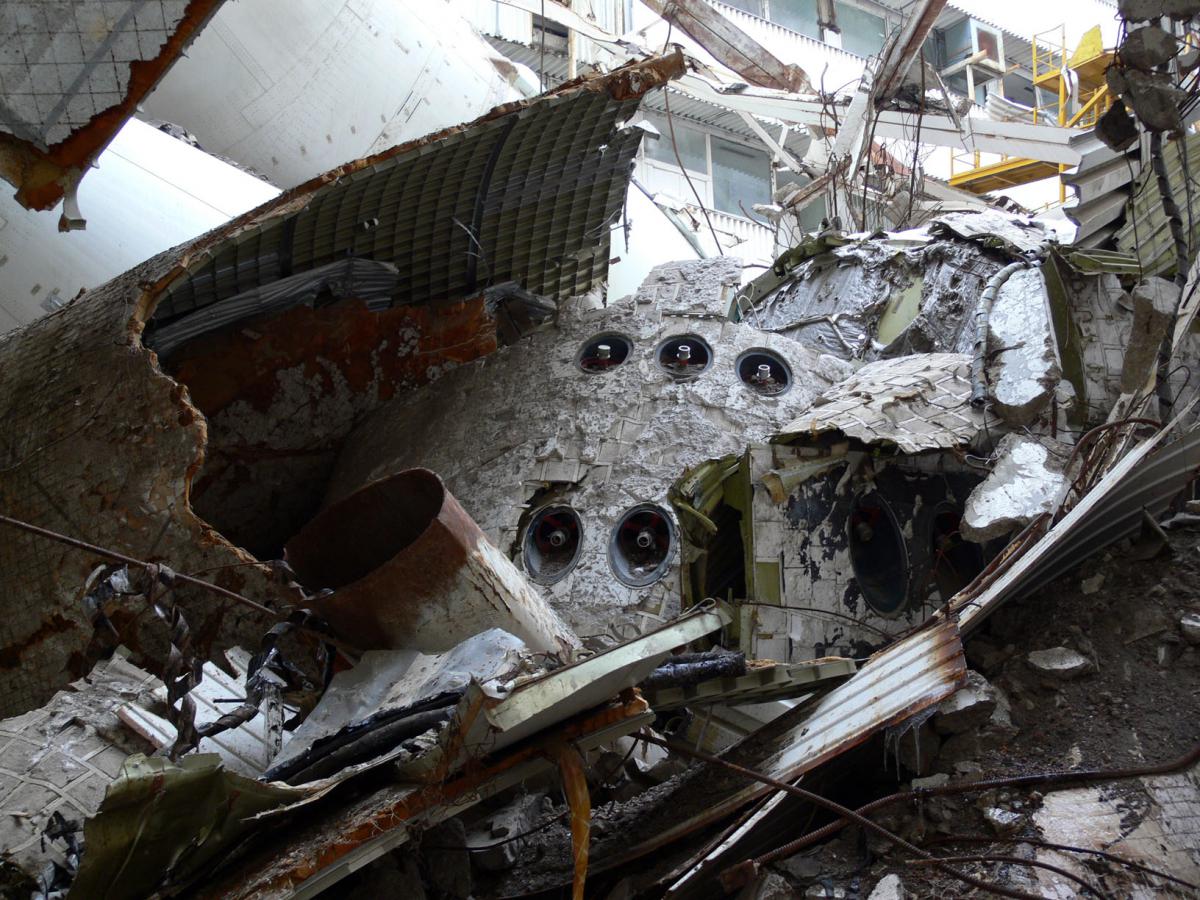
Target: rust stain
(10, 656)
(42, 176)
(388, 550)
(392, 349)
(280, 871)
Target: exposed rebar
(1017, 860)
(1186, 761)
(1066, 848)
(741, 875)
(130, 561)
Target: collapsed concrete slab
(1024, 368)
(1026, 481)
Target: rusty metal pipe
(409, 568)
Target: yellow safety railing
(1049, 55)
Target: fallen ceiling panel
(74, 73)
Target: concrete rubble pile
(367, 545)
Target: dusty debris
(968, 708)
(1059, 662)
(889, 887)
(1189, 625)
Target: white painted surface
(293, 88)
(148, 192)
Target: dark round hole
(552, 543)
(878, 554)
(684, 356)
(955, 561)
(604, 352)
(764, 372)
(361, 532)
(641, 546)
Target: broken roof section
(526, 193)
(76, 71)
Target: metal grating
(528, 196)
(71, 72)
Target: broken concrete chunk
(1092, 585)
(889, 887)
(1025, 482)
(1116, 127)
(1154, 99)
(1023, 370)
(771, 886)
(933, 781)
(969, 707)
(1190, 626)
(1003, 822)
(1142, 10)
(1154, 302)
(1059, 662)
(1148, 47)
(820, 892)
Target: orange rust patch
(395, 349)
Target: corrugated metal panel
(524, 194)
(77, 70)
(1101, 183)
(896, 683)
(1146, 231)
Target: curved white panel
(293, 88)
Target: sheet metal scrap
(489, 720)
(899, 681)
(761, 684)
(163, 824)
(318, 853)
(1145, 479)
(918, 402)
(896, 683)
(87, 64)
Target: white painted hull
(148, 192)
(293, 88)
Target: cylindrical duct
(409, 568)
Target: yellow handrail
(1097, 103)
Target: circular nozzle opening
(641, 546)
(356, 535)
(552, 543)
